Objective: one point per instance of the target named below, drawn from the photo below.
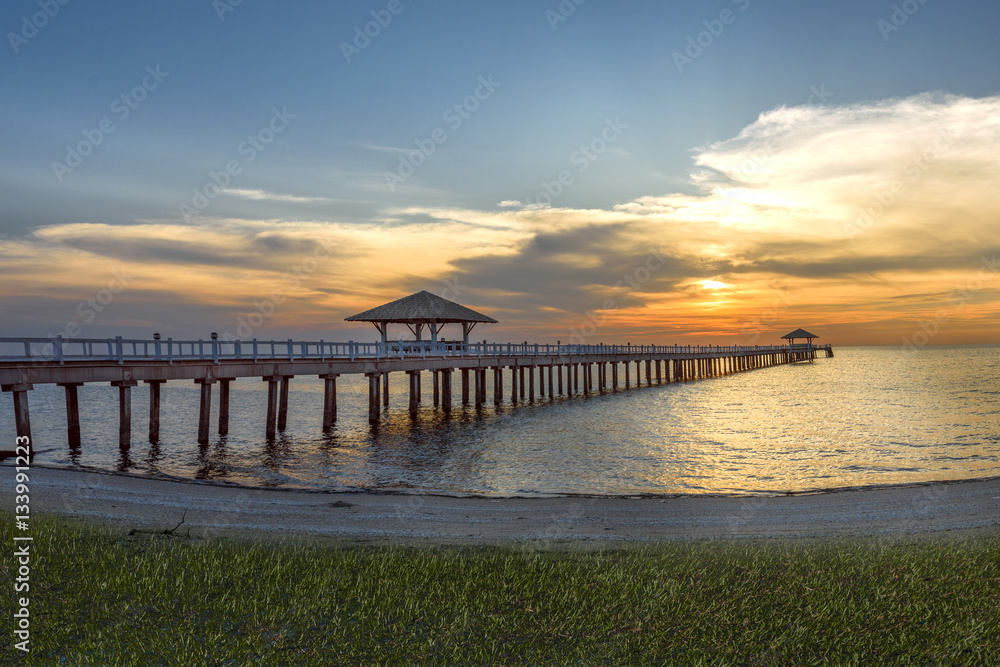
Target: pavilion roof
(422, 307)
(800, 333)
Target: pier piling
(72, 413)
(283, 403)
(446, 390)
(124, 412)
(154, 409)
(205, 411)
(329, 400)
(272, 406)
(223, 405)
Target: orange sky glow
(868, 224)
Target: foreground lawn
(103, 597)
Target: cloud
(842, 214)
(262, 195)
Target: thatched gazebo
(420, 310)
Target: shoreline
(537, 496)
(205, 509)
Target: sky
(711, 172)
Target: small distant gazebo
(800, 333)
(420, 310)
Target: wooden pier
(535, 371)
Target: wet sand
(205, 510)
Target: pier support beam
(437, 387)
(154, 409)
(659, 375)
(385, 389)
(205, 409)
(541, 381)
(513, 385)
(520, 382)
(497, 385)
(414, 391)
(374, 397)
(124, 412)
(479, 388)
(559, 372)
(22, 418)
(72, 414)
(465, 386)
(283, 403)
(614, 375)
(552, 387)
(531, 383)
(223, 405)
(329, 400)
(272, 405)
(446, 390)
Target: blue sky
(556, 86)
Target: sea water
(870, 416)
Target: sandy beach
(205, 510)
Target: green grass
(103, 597)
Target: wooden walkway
(536, 370)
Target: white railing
(61, 350)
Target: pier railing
(121, 350)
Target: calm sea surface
(869, 416)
